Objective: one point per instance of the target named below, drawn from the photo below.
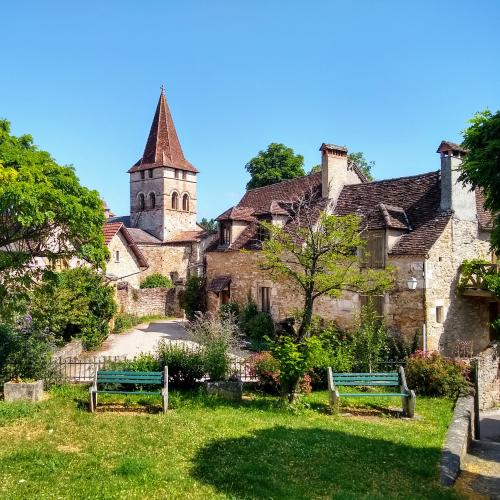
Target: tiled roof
(414, 199)
(110, 230)
(394, 217)
(143, 237)
(219, 283)
(484, 216)
(125, 219)
(238, 213)
(186, 237)
(163, 148)
(447, 146)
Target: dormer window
(225, 233)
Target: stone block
(23, 391)
(226, 389)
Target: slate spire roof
(163, 148)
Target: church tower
(163, 182)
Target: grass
(206, 448)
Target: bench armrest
(402, 380)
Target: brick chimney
(335, 171)
(454, 195)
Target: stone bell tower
(163, 182)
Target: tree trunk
(306, 317)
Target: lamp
(412, 283)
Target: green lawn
(205, 448)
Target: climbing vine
(479, 271)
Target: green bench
(122, 377)
(386, 379)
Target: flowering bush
(431, 374)
(266, 369)
(25, 352)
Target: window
(142, 202)
(377, 302)
(184, 175)
(152, 200)
(225, 233)
(177, 174)
(143, 174)
(117, 256)
(439, 314)
(185, 203)
(374, 251)
(265, 299)
(175, 201)
(150, 173)
(262, 233)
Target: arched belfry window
(185, 203)
(142, 202)
(152, 200)
(175, 201)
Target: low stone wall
(489, 377)
(72, 349)
(147, 301)
(460, 434)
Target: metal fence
(74, 369)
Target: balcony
(477, 279)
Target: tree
(208, 224)
(481, 165)
(317, 254)
(44, 213)
(277, 163)
(358, 159)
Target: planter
(226, 389)
(23, 391)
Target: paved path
(144, 338)
(480, 475)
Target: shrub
(156, 280)
(26, 352)
(142, 363)
(369, 340)
(193, 297)
(229, 309)
(216, 334)
(266, 369)
(75, 303)
(257, 326)
(430, 374)
(185, 368)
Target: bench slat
(112, 372)
(128, 392)
(364, 394)
(365, 374)
(361, 383)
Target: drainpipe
(424, 325)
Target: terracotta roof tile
(110, 230)
(186, 237)
(163, 148)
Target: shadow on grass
(294, 463)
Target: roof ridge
(426, 174)
(282, 182)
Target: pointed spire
(163, 147)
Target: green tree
(193, 298)
(317, 254)
(481, 165)
(208, 224)
(277, 163)
(357, 158)
(156, 280)
(44, 212)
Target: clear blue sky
(389, 78)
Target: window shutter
(377, 250)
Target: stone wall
(72, 349)
(489, 377)
(147, 301)
(126, 266)
(464, 318)
(165, 259)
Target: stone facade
(147, 301)
(489, 377)
(123, 262)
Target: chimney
(336, 172)
(454, 195)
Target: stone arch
(141, 201)
(185, 202)
(152, 200)
(175, 200)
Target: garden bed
(209, 448)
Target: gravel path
(144, 338)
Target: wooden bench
(387, 379)
(123, 377)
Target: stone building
(424, 226)
(162, 222)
